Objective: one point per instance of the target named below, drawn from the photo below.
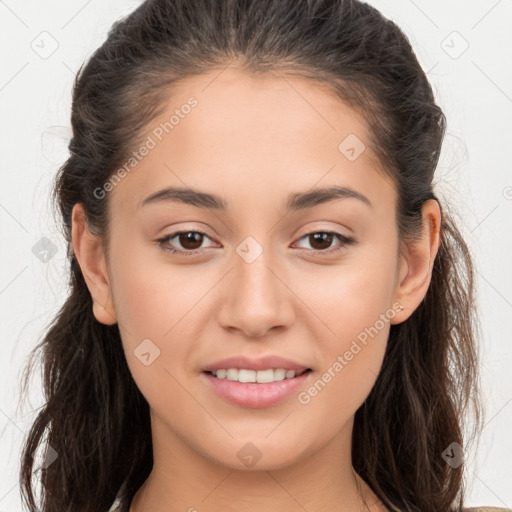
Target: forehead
(228, 130)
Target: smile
(241, 387)
(261, 376)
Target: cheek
(151, 296)
(352, 295)
(353, 303)
(160, 303)
(351, 361)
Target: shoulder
(115, 506)
(486, 509)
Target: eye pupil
(322, 236)
(190, 236)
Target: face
(313, 279)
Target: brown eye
(190, 240)
(186, 243)
(321, 240)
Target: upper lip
(262, 363)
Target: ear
(90, 256)
(415, 267)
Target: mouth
(267, 376)
(256, 389)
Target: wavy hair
(94, 416)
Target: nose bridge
(254, 280)
(257, 298)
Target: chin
(256, 454)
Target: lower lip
(254, 395)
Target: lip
(273, 362)
(255, 395)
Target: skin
(253, 141)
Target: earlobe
(417, 264)
(90, 256)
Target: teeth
(262, 376)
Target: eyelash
(162, 242)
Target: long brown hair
(94, 416)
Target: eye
(191, 242)
(322, 241)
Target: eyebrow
(295, 201)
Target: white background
(474, 88)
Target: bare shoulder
(487, 509)
(115, 507)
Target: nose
(256, 299)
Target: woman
(270, 308)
